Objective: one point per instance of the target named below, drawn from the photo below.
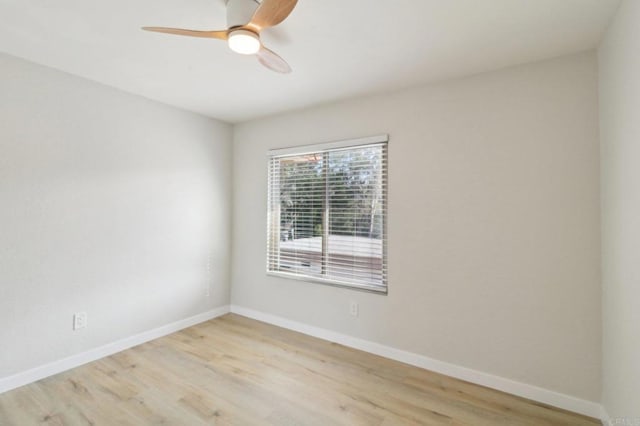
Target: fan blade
(270, 13)
(271, 60)
(222, 35)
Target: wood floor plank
(237, 371)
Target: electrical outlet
(79, 320)
(353, 309)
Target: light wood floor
(236, 371)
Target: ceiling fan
(245, 20)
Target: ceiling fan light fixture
(244, 42)
(245, 20)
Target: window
(327, 213)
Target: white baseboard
(556, 399)
(604, 416)
(38, 373)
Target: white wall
(494, 258)
(109, 204)
(619, 60)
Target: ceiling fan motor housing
(240, 12)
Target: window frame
(382, 139)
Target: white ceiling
(337, 48)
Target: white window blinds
(327, 213)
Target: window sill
(333, 283)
